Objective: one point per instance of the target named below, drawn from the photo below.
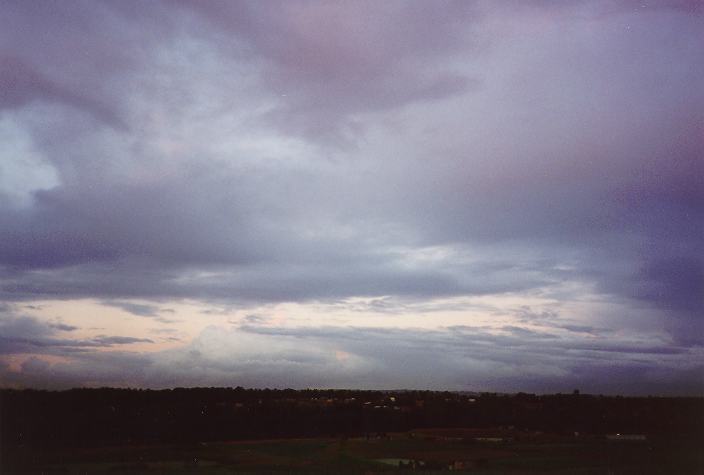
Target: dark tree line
(94, 417)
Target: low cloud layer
(510, 359)
(25, 334)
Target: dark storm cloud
(582, 191)
(240, 152)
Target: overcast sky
(476, 195)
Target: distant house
(460, 465)
(625, 437)
(491, 439)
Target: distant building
(625, 437)
(489, 439)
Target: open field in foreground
(430, 451)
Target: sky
(474, 195)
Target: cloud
(21, 85)
(675, 283)
(143, 213)
(244, 154)
(19, 326)
(63, 327)
(335, 61)
(141, 310)
(118, 340)
(20, 334)
(255, 319)
(450, 358)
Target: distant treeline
(93, 417)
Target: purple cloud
(246, 153)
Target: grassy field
(495, 452)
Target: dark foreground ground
(215, 430)
(431, 451)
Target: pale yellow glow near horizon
(177, 323)
(185, 319)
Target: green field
(432, 451)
